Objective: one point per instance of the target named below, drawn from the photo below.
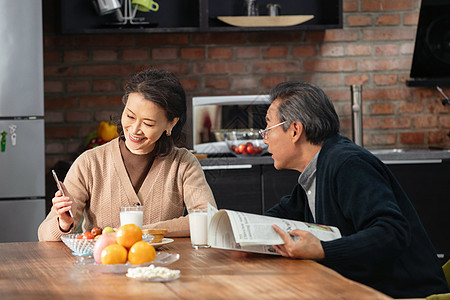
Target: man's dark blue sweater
(383, 244)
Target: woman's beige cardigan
(99, 185)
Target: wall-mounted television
(431, 59)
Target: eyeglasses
(264, 132)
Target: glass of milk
(132, 215)
(198, 225)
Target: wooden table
(47, 270)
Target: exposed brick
(395, 93)
(386, 5)
(326, 80)
(332, 50)
(275, 52)
(164, 53)
(279, 37)
(78, 86)
(108, 115)
(387, 79)
(385, 64)
(104, 55)
(339, 95)
(220, 53)
(412, 137)
(189, 84)
(219, 68)
(104, 86)
(330, 65)
(176, 68)
(425, 121)
(350, 5)
(53, 86)
(437, 137)
(248, 52)
(109, 40)
(60, 103)
(105, 70)
(134, 54)
(246, 83)
(55, 132)
(444, 121)
(269, 66)
(386, 50)
(407, 48)
(383, 139)
(388, 20)
(358, 50)
(58, 71)
(386, 123)
(59, 41)
(162, 39)
(359, 20)
(411, 19)
(391, 34)
(100, 101)
(192, 53)
(219, 38)
(217, 83)
(332, 36)
(356, 79)
(410, 107)
(271, 81)
(304, 51)
(54, 117)
(52, 57)
(382, 108)
(435, 106)
(78, 116)
(52, 148)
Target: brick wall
(84, 74)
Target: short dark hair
(164, 89)
(309, 105)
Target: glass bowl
(82, 247)
(245, 142)
(78, 246)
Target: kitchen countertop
(386, 155)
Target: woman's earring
(168, 133)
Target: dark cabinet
(79, 16)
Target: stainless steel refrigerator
(22, 151)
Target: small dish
(153, 274)
(161, 259)
(164, 241)
(156, 279)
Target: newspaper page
(254, 233)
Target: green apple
(107, 229)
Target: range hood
(431, 59)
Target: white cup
(132, 215)
(198, 225)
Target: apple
(106, 239)
(107, 229)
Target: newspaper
(233, 230)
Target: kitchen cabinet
(79, 16)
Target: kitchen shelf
(265, 21)
(79, 17)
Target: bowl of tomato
(245, 142)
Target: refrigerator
(22, 149)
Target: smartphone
(58, 184)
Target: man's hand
(307, 247)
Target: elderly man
(383, 244)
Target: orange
(114, 254)
(141, 253)
(128, 234)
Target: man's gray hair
(309, 105)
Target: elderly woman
(140, 167)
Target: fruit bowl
(245, 142)
(78, 246)
(82, 247)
